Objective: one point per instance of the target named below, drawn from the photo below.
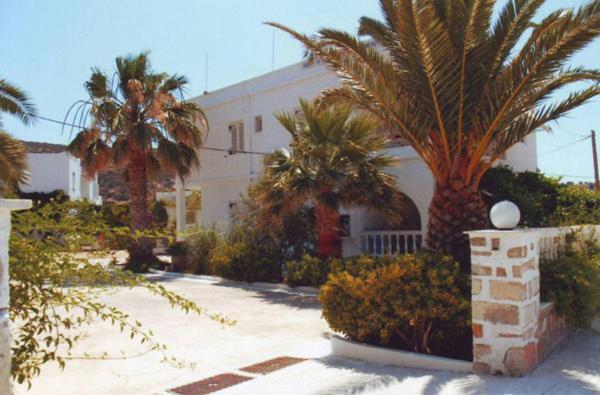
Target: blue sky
(49, 47)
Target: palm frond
(13, 162)
(16, 102)
(452, 80)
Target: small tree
(139, 125)
(335, 161)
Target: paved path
(271, 325)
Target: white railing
(392, 242)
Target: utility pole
(595, 156)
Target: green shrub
(412, 302)
(312, 271)
(309, 271)
(535, 194)
(200, 247)
(116, 215)
(543, 200)
(160, 216)
(177, 248)
(576, 205)
(572, 282)
(237, 261)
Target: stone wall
(552, 329)
(511, 332)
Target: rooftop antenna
(273, 52)
(206, 73)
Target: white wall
(523, 156)
(52, 171)
(223, 177)
(48, 172)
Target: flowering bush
(412, 302)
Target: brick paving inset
(272, 365)
(211, 384)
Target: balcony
(391, 242)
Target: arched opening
(382, 237)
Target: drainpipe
(6, 206)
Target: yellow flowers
(401, 302)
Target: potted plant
(177, 250)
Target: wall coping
(346, 348)
(520, 231)
(15, 204)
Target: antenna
(273, 52)
(206, 73)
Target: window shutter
(233, 133)
(258, 123)
(240, 136)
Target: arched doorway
(381, 237)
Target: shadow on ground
(572, 369)
(295, 300)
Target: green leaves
(16, 102)
(332, 149)
(572, 282)
(142, 111)
(452, 80)
(13, 154)
(13, 162)
(411, 302)
(56, 288)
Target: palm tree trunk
(329, 242)
(140, 250)
(456, 207)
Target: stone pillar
(505, 300)
(6, 206)
(179, 207)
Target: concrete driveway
(271, 325)
(268, 324)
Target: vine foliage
(58, 272)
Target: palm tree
(334, 161)
(13, 154)
(460, 86)
(139, 125)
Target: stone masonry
(506, 303)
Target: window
(237, 136)
(258, 123)
(345, 225)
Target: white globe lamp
(505, 215)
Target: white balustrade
(391, 242)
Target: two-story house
(241, 119)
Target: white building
(60, 171)
(241, 118)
